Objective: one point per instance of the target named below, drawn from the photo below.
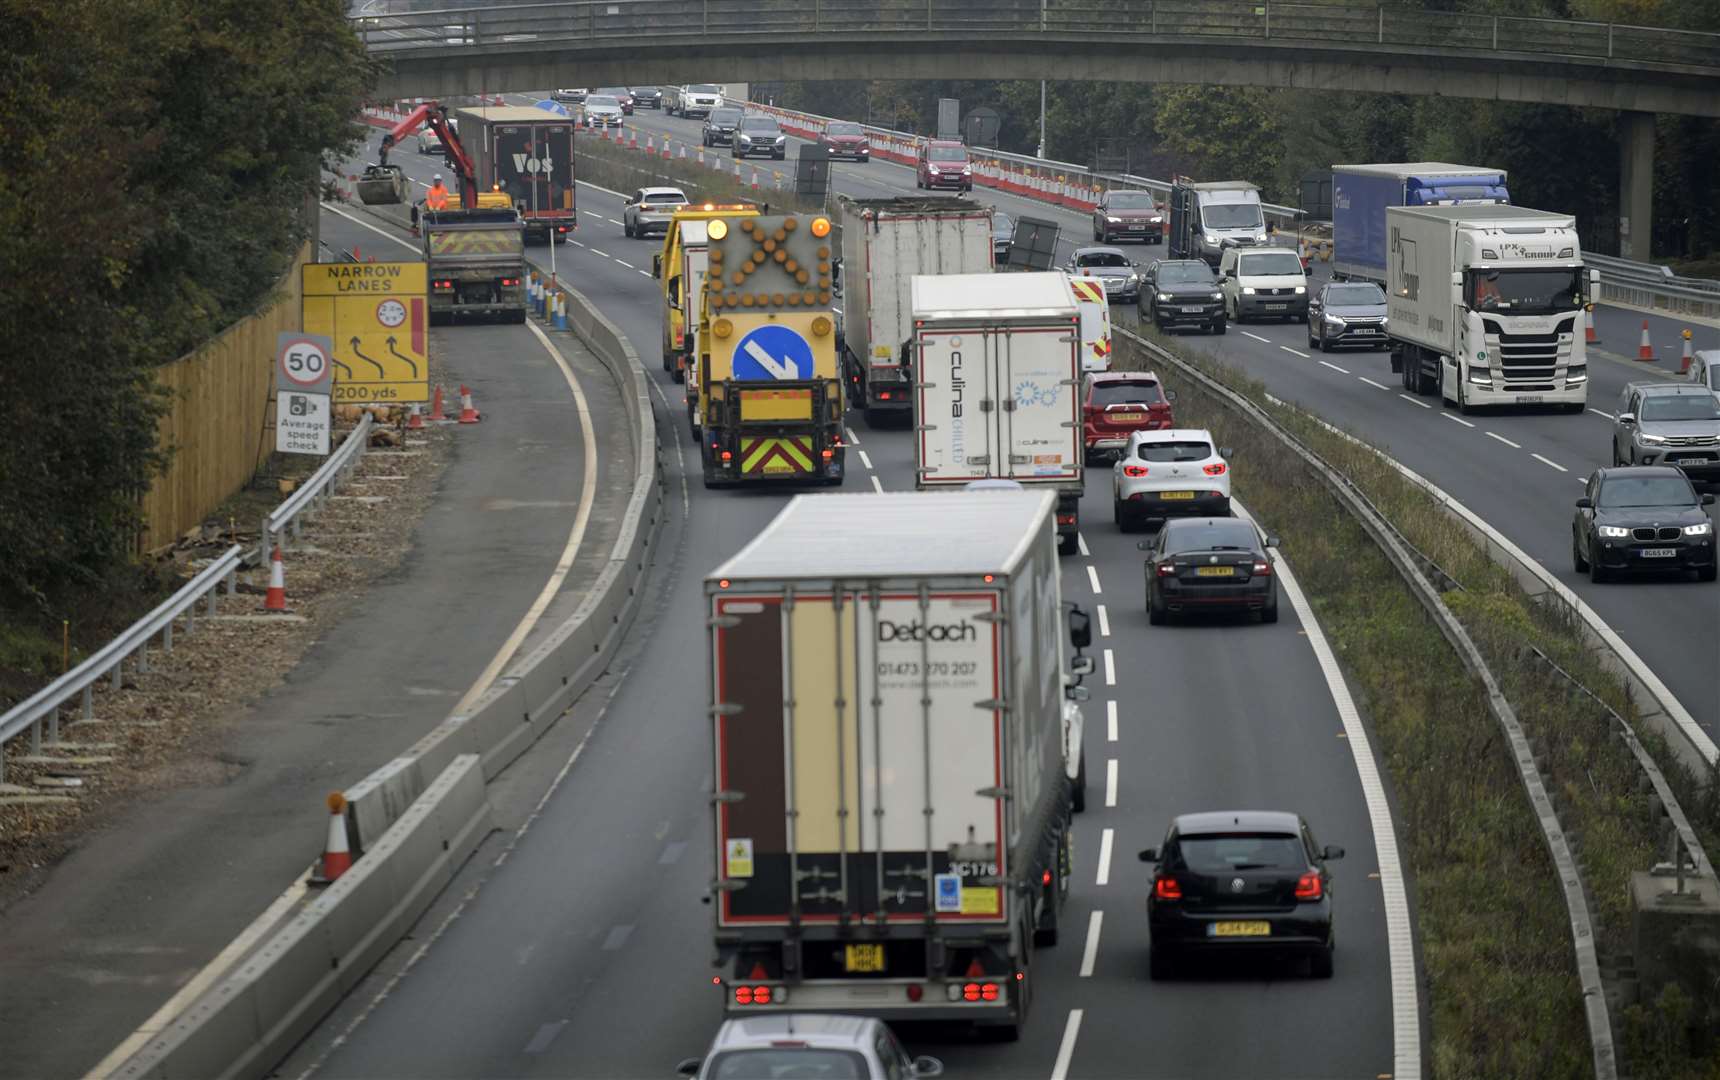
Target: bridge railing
(1335, 25)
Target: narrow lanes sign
(376, 316)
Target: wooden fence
(218, 426)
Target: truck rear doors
(999, 401)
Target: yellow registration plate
(1176, 494)
(1240, 929)
(1215, 571)
(1128, 417)
(863, 958)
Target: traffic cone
(468, 414)
(755, 180)
(670, 153)
(633, 138)
(1684, 361)
(337, 852)
(357, 255)
(651, 145)
(415, 422)
(276, 598)
(436, 416)
(1589, 334)
(1645, 351)
(684, 152)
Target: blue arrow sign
(772, 352)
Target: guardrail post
(1495, 33)
(1266, 10)
(705, 11)
(232, 584)
(1609, 40)
(89, 704)
(53, 726)
(1382, 23)
(118, 674)
(167, 637)
(143, 657)
(928, 14)
(35, 738)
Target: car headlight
(1218, 296)
(1261, 239)
(1334, 320)
(1209, 241)
(1301, 289)
(1134, 279)
(1579, 373)
(1613, 532)
(1480, 377)
(1113, 220)
(780, 139)
(1699, 530)
(1164, 297)
(1248, 290)
(1650, 440)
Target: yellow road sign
(376, 314)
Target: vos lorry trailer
(1361, 193)
(526, 154)
(890, 799)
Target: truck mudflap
(783, 431)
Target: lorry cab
(680, 267)
(1095, 323)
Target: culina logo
(919, 631)
(957, 383)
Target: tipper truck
(891, 804)
(527, 154)
(767, 390)
(1361, 193)
(885, 243)
(998, 394)
(1485, 305)
(476, 261)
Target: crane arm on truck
(435, 116)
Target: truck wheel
(1067, 545)
(1463, 405)
(1078, 800)
(440, 318)
(516, 316)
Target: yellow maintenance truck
(766, 395)
(680, 268)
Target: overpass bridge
(1636, 71)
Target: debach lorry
(1361, 193)
(998, 394)
(1484, 305)
(885, 243)
(890, 800)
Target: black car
(1240, 881)
(648, 97)
(1002, 235)
(720, 127)
(760, 135)
(1182, 292)
(1642, 518)
(1347, 313)
(1203, 564)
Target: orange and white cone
(276, 598)
(337, 853)
(415, 422)
(1684, 360)
(1589, 335)
(468, 414)
(1645, 351)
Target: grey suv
(720, 126)
(1669, 424)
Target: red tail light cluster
(443, 284)
(1166, 568)
(1065, 519)
(1134, 470)
(1309, 886)
(1262, 568)
(979, 991)
(1166, 888)
(759, 995)
(1216, 469)
(510, 281)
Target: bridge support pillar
(1636, 185)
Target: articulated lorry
(526, 154)
(885, 243)
(998, 394)
(1485, 305)
(891, 798)
(680, 267)
(1207, 218)
(1361, 194)
(476, 261)
(765, 396)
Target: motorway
(585, 950)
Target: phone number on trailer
(936, 669)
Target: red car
(1116, 404)
(943, 163)
(1128, 215)
(846, 139)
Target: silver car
(1346, 313)
(1669, 424)
(649, 210)
(808, 1044)
(601, 110)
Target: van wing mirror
(1081, 666)
(1080, 627)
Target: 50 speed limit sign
(303, 363)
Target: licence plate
(1276, 307)
(1176, 494)
(863, 958)
(1137, 228)
(1692, 461)
(1215, 571)
(1659, 553)
(1529, 399)
(1239, 929)
(1193, 310)
(1128, 417)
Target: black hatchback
(1641, 519)
(1205, 564)
(1249, 881)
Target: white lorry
(885, 243)
(998, 394)
(1485, 305)
(891, 803)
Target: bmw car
(1642, 519)
(1210, 564)
(1171, 472)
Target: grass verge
(612, 165)
(1504, 997)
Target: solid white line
(1104, 622)
(1602, 412)
(581, 517)
(1111, 721)
(1507, 442)
(1066, 1049)
(1111, 782)
(1081, 545)
(1372, 383)
(338, 212)
(1105, 840)
(1413, 401)
(877, 484)
(1457, 419)
(1093, 579)
(1334, 367)
(1257, 337)
(1544, 461)
(853, 439)
(1288, 349)
(1110, 668)
(1091, 952)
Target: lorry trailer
(1361, 193)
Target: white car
(1267, 283)
(1178, 472)
(649, 210)
(811, 1045)
(600, 110)
(575, 94)
(1705, 370)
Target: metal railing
(1655, 288)
(1347, 26)
(314, 492)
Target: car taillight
(1134, 470)
(1215, 469)
(755, 995)
(1045, 878)
(1167, 568)
(915, 991)
(443, 284)
(828, 454)
(1166, 888)
(510, 281)
(1262, 568)
(727, 456)
(883, 395)
(979, 991)
(1308, 886)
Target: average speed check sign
(302, 363)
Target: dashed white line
(1091, 953)
(628, 265)
(1603, 412)
(1111, 782)
(1334, 367)
(864, 460)
(1093, 579)
(1081, 545)
(1105, 841)
(1372, 383)
(612, 221)
(1110, 668)
(1110, 721)
(1503, 439)
(643, 273)
(1457, 419)
(577, 244)
(599, 254)
(1066, 1049)
(1104, 622)
(1257, 337)
(1414, 401)
(853, 439)
(877, 484)
(1288, 349)
(1544, 461)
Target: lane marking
(1093, 579)
(599, 254)
(877, 484)
(618, 936)
(853, 439)
(545, 1035)
(1288, 349)
(1105, 840)
(1503, 439)
(1066, 1048)
(1091, 952)
(1111, 782)
(581, 518)
(1111, 721)
(612, 221)
(628, 265)
(1081, 545)
(1334, 367)
(1257, 337)
(1415, 401)
(864, 460)
(1104, 622)
(1372, 383)
(1603, 412)
(1110, 668)
(1544, 461)
(643, 273)
(338, 212)
(1457, 419)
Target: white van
(1095, 323)
(1705, 370)
(1268, 283)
